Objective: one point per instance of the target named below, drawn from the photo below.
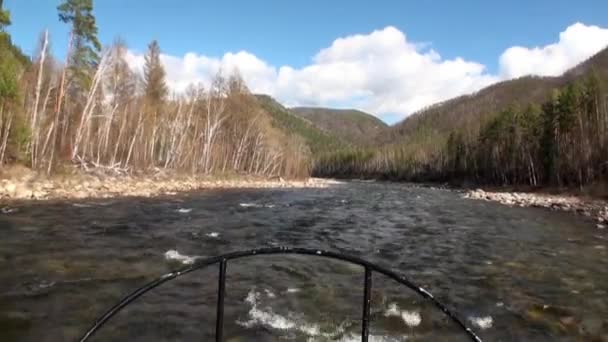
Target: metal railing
(222, 260)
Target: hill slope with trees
(475, 109)
(536, 131)
(354, 127)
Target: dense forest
(92, 110)
(558, 142)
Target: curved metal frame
(223, 259)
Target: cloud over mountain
(382, 72)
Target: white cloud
(577, 43)
(381, 72)
(193, 68)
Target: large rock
(22, 191)
(39, 194)
(592, 325)
(9, 188)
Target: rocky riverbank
(30, 186)
(593, 208)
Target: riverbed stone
(588, 208)
(568, 320)
(39, 194)
(592, 325)
(21, 191)
(9, 188)
(84, 185)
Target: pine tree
(5, 17)
(154, 78)
(155, 96)
(9, 66)
(85, 46)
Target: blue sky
(292, 33)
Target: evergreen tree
(9, 65)
(155, 89)
(5, 17)
(85, 46)
(154, 78)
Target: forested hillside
(92, 110)
(533, 131)
(317, 140)
(471, 111)
(354, 127)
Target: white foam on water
(372, 338)
(173, 255)
(249, 205)
(252, 298)
(46, 284)
(411, 318)
(184, 210)
(259, 316)
(483, 323)
(82, 205)
(256, 205)
(393, 310)
(293, 290)
(214, 235)
(8, 210)
(268, 318)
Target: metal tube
(367, 290)
(221, 288)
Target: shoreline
(23, 184)
(595, 209)
(33, 187)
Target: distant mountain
(469, 112)
(318, 141)
(360, 141)
(354, 127)
(530, 131)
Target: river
(513, 274)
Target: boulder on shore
(589, 208)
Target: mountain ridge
(355, 127)
(482, 105)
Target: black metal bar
(367, 291)
(202, 263)
(127, 300)
(221, 288)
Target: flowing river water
(514, 274)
